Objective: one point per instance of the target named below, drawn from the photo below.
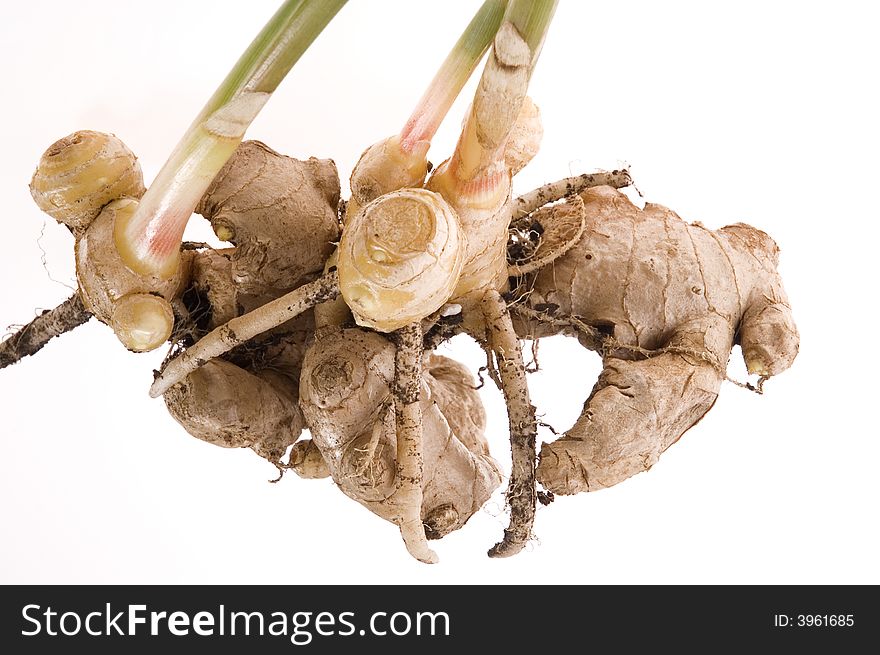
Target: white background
(763, 112)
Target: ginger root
(229, 406)
(91, 182)
(282, 215)
(664, 302)
(346, 397)
(397, 272)
(285, 331)
(400, 258)
(279, 212)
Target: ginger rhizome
(664, 302)
(322, 316)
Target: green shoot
(149, 242)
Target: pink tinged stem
(531, 18)
(478, 170)
(452, 76)
(149, 242)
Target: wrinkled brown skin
(346, 397)
(249, 398)
(216, 299)
(654, 281)
(280, 212)
(228, 406)
(283, 213)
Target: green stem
(532, 19)
(476, 168)
(149, 242)
(453, 75)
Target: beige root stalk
(408, 419)
(540, 236)
(239, 330)
(523, 426)
(50, 324)
(476, 182)
(567, 186)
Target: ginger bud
(307, 461)
(79, 174)
(135, 306)
(141, 321)
(400, 258)
(386, 166)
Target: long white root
(567, 186)
(521, 494)
(240, 329)
(408, 419)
